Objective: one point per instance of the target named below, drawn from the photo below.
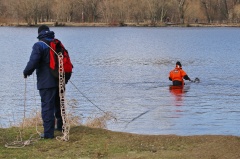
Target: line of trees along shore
(152, 12)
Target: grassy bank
(99, 143)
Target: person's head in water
(178, 64)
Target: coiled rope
(66, 125)
(20, 143)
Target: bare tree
(90, 10)
(215, 10)
(207, 8)
(28, 9)
(113, 11)
(225, 9)
(104, 8)
(72, 8)
(118, 11)
(137, 14)
(182, 7)
(1, 8)
(163, 10)
(45, 12)
(236, 13)
(4, 13)
(152, 10)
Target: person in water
(177, 75)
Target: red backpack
(57, 47)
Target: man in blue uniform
(47, 84)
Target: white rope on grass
(22, 143)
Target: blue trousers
(50, 103)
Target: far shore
(73, 24)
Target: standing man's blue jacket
(39, 60)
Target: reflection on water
(125, 71)
(178, 93)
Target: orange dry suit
(177, 75)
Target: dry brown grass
(35, 118)
(100, 122)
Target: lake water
(125, 71)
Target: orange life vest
(177, 74)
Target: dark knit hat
(43, 28)
(179, 64)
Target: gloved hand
(25, 76)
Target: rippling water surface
(125, 71)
